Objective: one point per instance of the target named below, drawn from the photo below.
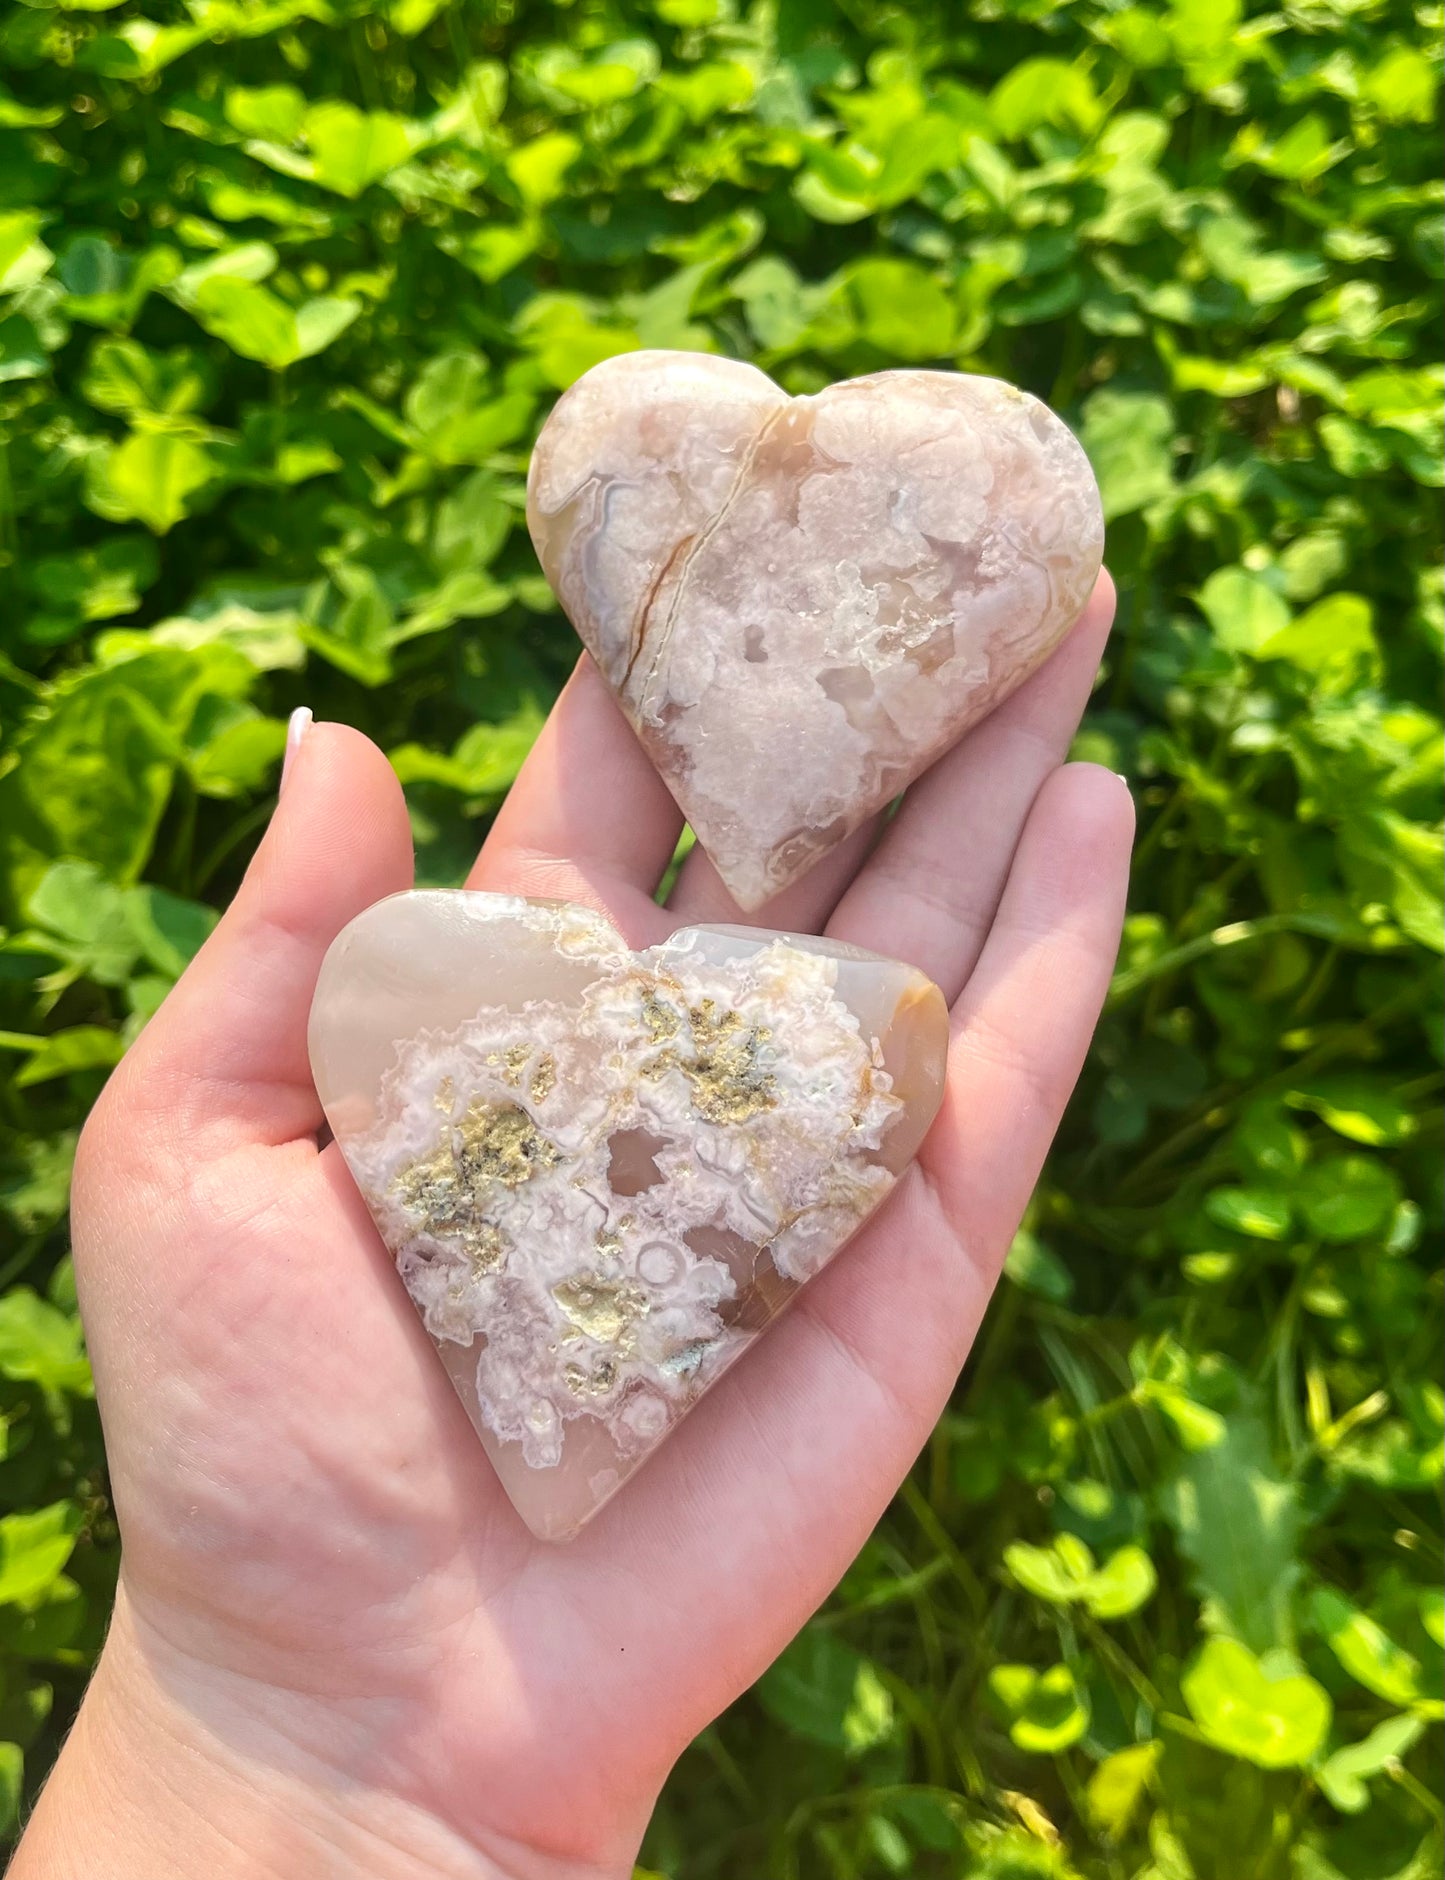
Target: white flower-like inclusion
(608, 1198)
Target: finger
(768, 1490)
(928, 893)
(588, 819)
(227, 1050)
(803, 907)
(1023, 1023)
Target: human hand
(336, 1649)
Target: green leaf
(125, 376)
(868, 1719)
(568, 341)
(1119, 1788)
(78, 1048)
(86, 914)
(23, 257)
(824, 1691)
(1266, 1711)
(1247, 615)
(492, 253)
(1049, 1710)
(901, 309)
(1360, 1108)
(15, 116)
(456, 419)
(1403, 86)
(249, 261)
(93, 771)
(255, 323)
(47, 1625)
(234, 202)
(34, 1548)
(1043, 91)
(320, 321)
(1330, 640)
(1196, 1426)
(138, 49)
(268, 639)
(1262, 1213)
(1343, 1776)
(239, 757)
(1057, 1573)
(1347, 1197)
(1233, 248)
(472, 524)
(353, 149)
(1238, 1523)
(12, 1782)
(39, 1345)
(168, 930)
(249, 318)
(35, 1194)
(98, 583)
(1034, 1267)
(1365, 1649)
(1126, 1582)
(1391, 859)
(537, 169)
(151, 477)
(1064, 1573)
(484, 762)
(23, 353)
(617, 72)
(358, 636)
(1129, 438)
(274, 112)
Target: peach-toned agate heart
(603, 1173)
(800, 603)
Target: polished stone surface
(802, 602)
(602, 1174)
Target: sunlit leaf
(34, 1548)
(1048, 1709)
(151, 476)
(1365, 1649)
(1268, 1712)
(1344, 1775)
(353, 149)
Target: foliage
(286, 287)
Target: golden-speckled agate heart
(603, 1173)
(800, 603)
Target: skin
(336, 1650)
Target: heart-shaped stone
(602, 1173)
(802, 602)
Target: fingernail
(1122, 778)
(296, 729)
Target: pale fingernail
(296, 729)
(1122, 778)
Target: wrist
(170, 1772)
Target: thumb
(225, 1056)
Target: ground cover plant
(286, 287)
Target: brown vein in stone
(695, 547)
(680, 547)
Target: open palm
(323, 1584)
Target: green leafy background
(287, 286)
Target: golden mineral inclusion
(602, 1174)
(723, 1063)
(802, 602)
